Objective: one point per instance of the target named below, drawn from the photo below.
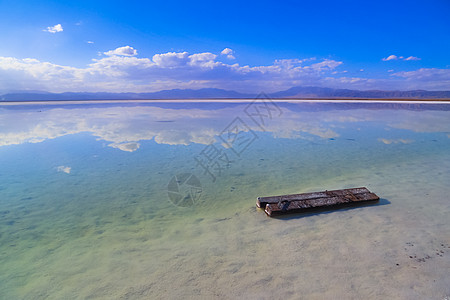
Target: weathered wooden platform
(277, 205)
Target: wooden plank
(262, 201)
(276, 205)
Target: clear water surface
(151, 200)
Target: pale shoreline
(228, 100)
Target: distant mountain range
(212, 93)
(319, 92)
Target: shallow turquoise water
(90, 207)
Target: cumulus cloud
(205, 59)
(171, 59)
(29, 73)
(123, 51)
(395, 57)
(228, 52)
(390, 57)
(122, 71)
(54, 29)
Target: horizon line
(233, 100)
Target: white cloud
(28, 73)
(390, 57)
(205, 59)
(326, 65)
(122, 51)
(128, 147)
(228, 52)
(292, 62)
(54, 29)
(395, 57)
(412, 58)
(64, 169)
(395, 141)
(90, 42)
(122, 71)
(171, 59)
(437, 79)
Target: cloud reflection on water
(124, 127)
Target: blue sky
(131, 46)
